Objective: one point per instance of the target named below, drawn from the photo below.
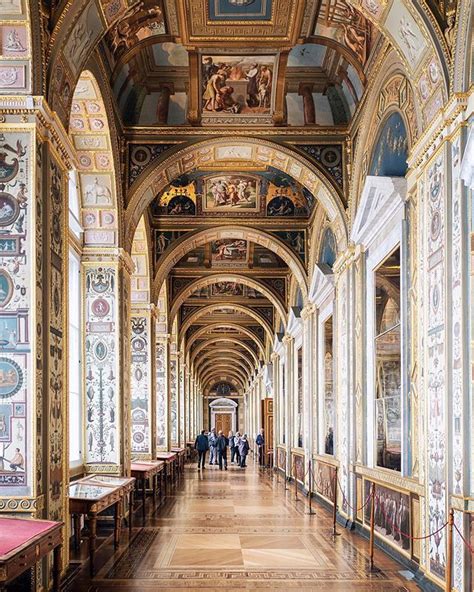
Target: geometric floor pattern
(239, 530)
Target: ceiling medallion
(240, 2)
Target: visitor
(202, 446)
(212, 447)
(260, 442)
(329, 443)
(236, 447)
(231, 439)
(222, 444)
(243, 450)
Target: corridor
(238, 530)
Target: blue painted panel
(389, 157)
(241, 10)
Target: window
(75, 366)
(388, 363)
(329, 408)
(300, 396)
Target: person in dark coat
(202, 446)
(260, 442)
(222, 444)
(243, 450)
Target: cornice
(163, 133)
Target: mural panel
(225, 193)
(102, 399)
(17, 392)
(161, 395)
(389, 158)
(229, 252)
(240, 10)
(140, 386)
(173, 382)
(237, 86)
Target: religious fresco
(392, 515)
(389, 158)
(225, 193)
(228, 289)
(162, 239)
(229, 252)
(340, 21)
(140, 386)
(237, 86)
(240, 10)
(16, 365)
(102, 421)
(296, 239)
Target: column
(305, 90)
(162, 108)
(276, 403)
(289, 342)
(107, 362)
(162, 393)
(36, 156)
(174, 399)
(142, 386)
(309, 381)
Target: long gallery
(236, 295)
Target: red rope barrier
(344, 499)
(409, 536)
(468, 545)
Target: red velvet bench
(23, 542)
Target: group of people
(218, 444)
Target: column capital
(288, 339)
(109, 255)
(274, 356)
(308, 310)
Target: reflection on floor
(237, 530)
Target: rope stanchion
(334, 506)
(449, 554)
(372, 527)
(463, 539)
(310, 488)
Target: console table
(23, 542)
(148, 470)
(170, 459)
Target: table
(127, 488)
(26, 541)
(90, 499)
(190, 449)
(170, 459)
(181, 452)
(148, 470)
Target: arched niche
(193, 240)
(89, 130)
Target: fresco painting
(229, 251)
(389, 158)
(231, 192)
(237, 85)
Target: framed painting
(231, 192)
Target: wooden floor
(236, 530)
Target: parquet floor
(237, 530)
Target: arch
(226, 277)
(240, 361)
(236, 354)
(219, 367)
(209, 381)
(237, 342)
(198, 238)
(89, 129)
(235, 374)
(227, 325)
(241, 151)
(463, 50)
(250, 336)
(212, 307)
(223, 401)
(140, 288)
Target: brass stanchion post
(372, 526)
(449, 558)
(296, 480)
(334, 502)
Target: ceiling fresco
(240, 10)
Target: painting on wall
(389, 157)
(229, 252)
(392, 514)
(175, 201)
(163, 239)
(227, 289)
(225, 193)
(237, 85)
(295, 239)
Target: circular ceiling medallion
(9, 209)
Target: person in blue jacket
(202, 446)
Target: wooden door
(223, 422)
